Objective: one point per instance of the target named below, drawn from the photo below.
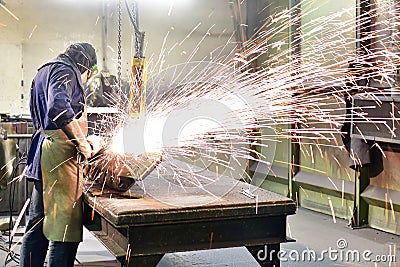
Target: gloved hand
(75, 134)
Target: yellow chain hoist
(137, 92)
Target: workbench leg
(141, 261)
(361, 207)
(267, 255)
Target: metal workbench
(139, 228)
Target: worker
(59, 145)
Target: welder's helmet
(84, 56)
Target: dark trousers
(35, 245)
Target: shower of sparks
(223, 113)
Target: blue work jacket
(56, 97)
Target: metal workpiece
(138, 228)
(119, 171)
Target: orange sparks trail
(289, 230)
(30, 35)
(93, 210)
(128, 254)
(65, 232)
(20, 241)
(19, 177)
(393, 212)
(51, 187)
(283, 101)
(9, 162)
(21, 214)
(211, 239)
(342, 193)
(256, 204)
(68, 159)
(290, 98)
(8, 11)
(332, 210)
(386, 207)
(352, 216)
(298, 165)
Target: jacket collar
(67, 61)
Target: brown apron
(62, 186)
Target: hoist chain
(139, 36)
(136, 22)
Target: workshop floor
(313, 231)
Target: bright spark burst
(222, 112)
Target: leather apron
(62, 186)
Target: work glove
(74, 132)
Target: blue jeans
(35, 245)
